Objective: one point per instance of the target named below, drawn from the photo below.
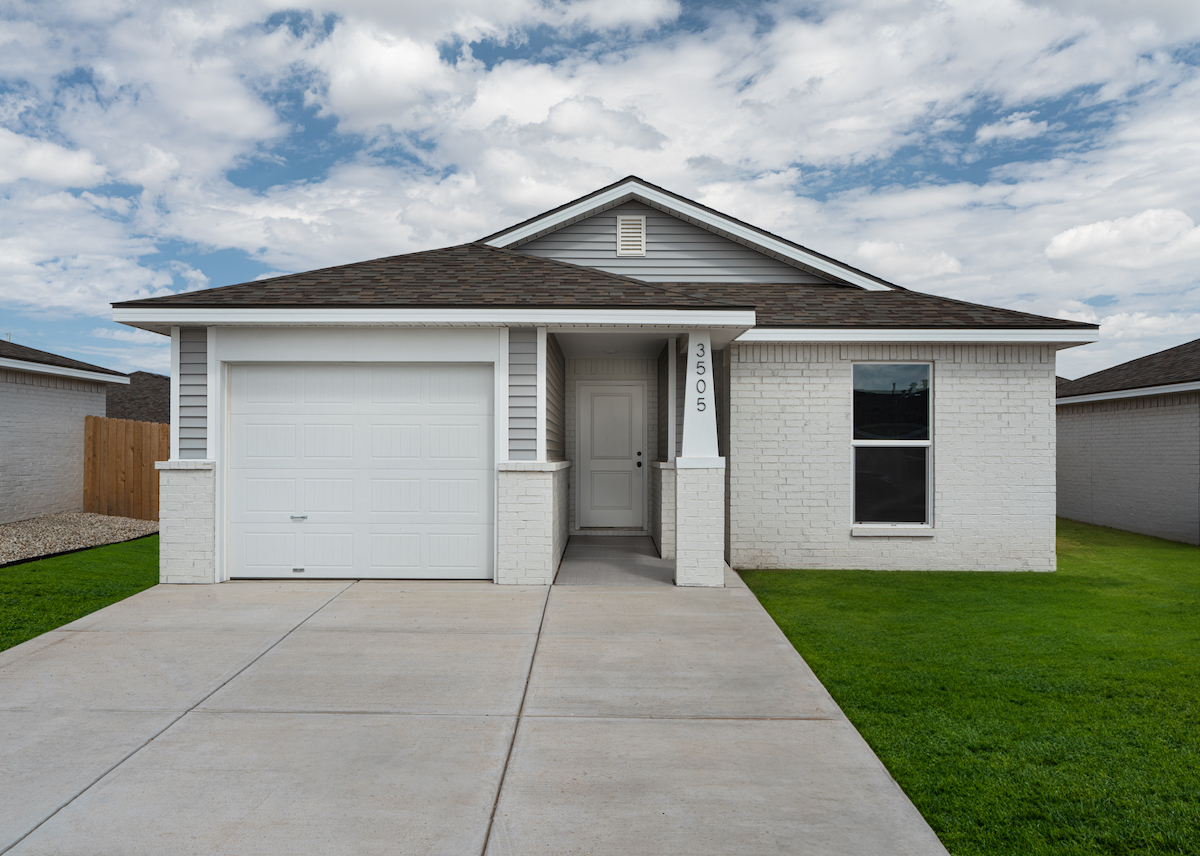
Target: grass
(1022, 713)
(42, 595)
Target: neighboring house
(44, 401)
(147, 398)
(629, 362)
(1129, 446)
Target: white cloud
(1151, 238)
(1015, 126)
(140, 337)
(902, 264)
(48, 163)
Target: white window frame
(927, 444)
(641, 220)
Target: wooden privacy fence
(118, 466)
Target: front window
(892, 442)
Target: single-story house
(147, 398)
(44, 402)
(629, 362)
(1129, 446)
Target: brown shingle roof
(474, 275)
(1175, 365)
(13, 351)
(147, 398)
(465, 275)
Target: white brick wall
(791, 463)
(700, 526)
(41, 442)
(662, 507)
(187, 517)
(531, 523)
(1132, 464)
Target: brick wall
(1132, 464)
(790, 459)
(531, 522)
(187, 518)
(700, 526)
(41, 442)
(662, 507)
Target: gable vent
(631, 236)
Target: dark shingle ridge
(476, 275)
(1180, 364)
(13, 351)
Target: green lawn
(1022, 713)
(39, 596)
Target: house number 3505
(701, 368)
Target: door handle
(299, 517)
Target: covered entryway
(361, 470)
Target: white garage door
(361, 471)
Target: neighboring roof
(466, 275)
(1172, 366)
(475, 275)
(146, 399)
(13, 351)
(632, 187)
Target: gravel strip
(57, 533)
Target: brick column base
(531, 521)
(699, 523)
(187, 522)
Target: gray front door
(612, 456)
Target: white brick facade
(662, 507)
(531, 524)
(700, 526)
(41, 442)
(791, 470)
(1133, 464)
(187, 522)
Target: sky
(1041, 156)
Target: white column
(699, 475)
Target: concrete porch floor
(434, 718)
(608, 560)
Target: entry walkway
(608, 560)
(434, 718)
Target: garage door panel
(387, 468)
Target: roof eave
(61, 371)
(1062, 337)
(1136, 392)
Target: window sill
(898, 531)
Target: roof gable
(635, 190)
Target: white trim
(672, 391)
(150, 318)
(541, 394)
(42, 368)
(669, 203)
(697, 463)
(891, 530)
(174, 393)
(1007, 335)
(1165, 389)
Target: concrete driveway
(434, 718)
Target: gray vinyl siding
(522, 394)
(193, 393)
(664, 391)
(676, 251)
(556, 401)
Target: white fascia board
(715, 221)
(1166, 389)
(468, 317)
(42, 368)
(1007, 335)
